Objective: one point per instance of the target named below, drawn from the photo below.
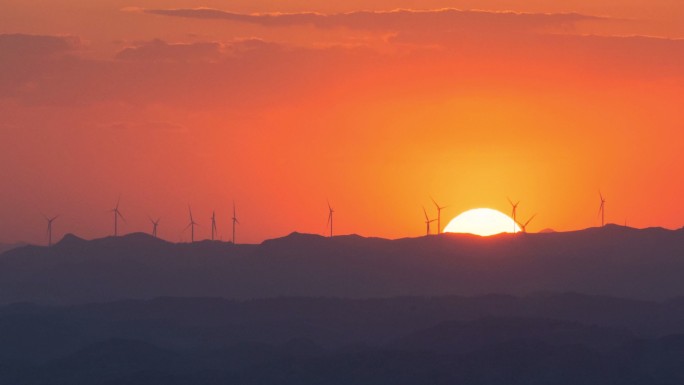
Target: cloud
(26, 58)
(253, 44)
(258, 73)
(13, 45)
(159, 50)
(397, 20)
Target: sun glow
(483, 221)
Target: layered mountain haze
(439, 340)
(613, 260)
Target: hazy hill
(614, 261)
(9, 246)
(497, 340)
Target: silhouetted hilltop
(613, 260)
(9, 246)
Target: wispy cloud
(401, 19)
(36, 45)
(159, 50)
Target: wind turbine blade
(120, 215)
(435, 202)
(529, 220)
(425, 212)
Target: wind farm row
(116, 213)
(517, 226)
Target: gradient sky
(375, 105)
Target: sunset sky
(375, 105)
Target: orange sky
(375, 105)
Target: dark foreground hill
(617, 261)
(494, 340)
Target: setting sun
(483, 221)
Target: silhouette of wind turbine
(523, 226)
(439, 215)
(117, 214)
(49, 228)
(155, 224)
(515, 212)
(602, 209)
(235, 221)
(191, 225)
(427, 222)
(330, 219)
(214, 230)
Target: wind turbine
(602, 209)
(515, 212)
(214, 230)
(155, 224)
(523, 226)
(427, 222)
(117, 214)
(191, 225)
(49, 228)
(235, 221)
(330, 219)
(439, 215)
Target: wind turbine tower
(191, 225)
(155, 224)
(214, 231)
(523, 226)
(515, 212)
(235, 221)
(427, 222)
(439, 216)
(117, 215)
(49, 228)
(330, 219)
(602, 209)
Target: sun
(483, 221)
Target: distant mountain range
(562, 339)
(614, 260)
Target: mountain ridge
(613, 260)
